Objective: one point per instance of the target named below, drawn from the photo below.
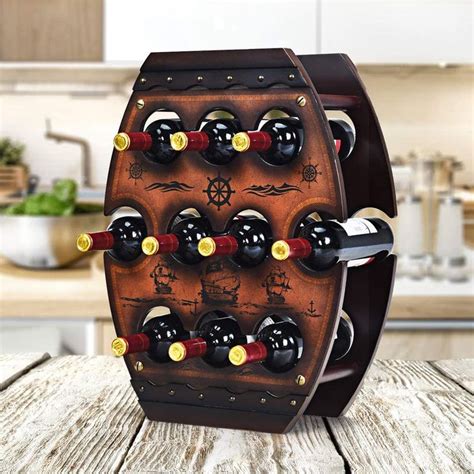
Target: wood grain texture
(461, 371)
(13, 366)
(307, 448)
(51, 30)
(407, 418)
(69, 413)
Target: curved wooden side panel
(367, 299)
(367, 173)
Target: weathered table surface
(80, 413)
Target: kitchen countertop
(80, 292)
(80, 413)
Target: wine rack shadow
(248, 84)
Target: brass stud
(200, 78)
(261, 78)
(301, 101)
(291, 77)
(142, 80)
(142, 388)
(140, 104)
(300, 380)
(232, 399)
(201, 396)
(171, 392)
(263, 401)
(139, 366)
(229, 78)
(293, 403)
(169, 79)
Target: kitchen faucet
(85, 155)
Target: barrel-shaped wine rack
(248, 84)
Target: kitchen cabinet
(51, 30)
(207, 25)
(398, 31)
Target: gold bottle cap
(207, 246)
(241, 142)
(121, 141)
(84, 242)
(238, 355)
(119, 346)
(179, 141)
(177, 351)
(150, 246)
(280, 250)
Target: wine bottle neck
(164, 243)
(95, 241)
(179, 351)
(291, 249)
(189, 141)
(248, 353)
(138, 342)
(221, 245)
(252, 141)
(139, 141)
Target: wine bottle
(278, 141)
(322, 244)
(214, 140)
(154, 141)
(278, 346)
(343, 340)
(122, 239)
(155, 338)
(247, 242)
(344, 137)
(213, 341)
(182, 241)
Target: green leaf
(65, 190)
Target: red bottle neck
(298, 248)
(167, 243)
(196, 141)
(259, 141)
(101, 240)
(225, 245)
(196, 347)
(250, 353)
(138, 342)
(140, 141)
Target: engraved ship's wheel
(310, 173)
(218, 191)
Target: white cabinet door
(398, 31)
(134, 29)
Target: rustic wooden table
(80, 413)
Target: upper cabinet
(398, 31)
(51, 30)
(134, 29)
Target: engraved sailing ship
(276, 284)
(163, 277)
(219, 284)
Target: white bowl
(46, 241)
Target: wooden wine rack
(248, 84)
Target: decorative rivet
(229, 78)
(291, 77)
(143, 80)
(201, 396)
(142, 388)
(171, 392)
(301, 101)
(140, 104)
(169, 79)
(232, 399)
(261, 78)
(293, 403)
(263, 401)
(300, 380)
(139, 366)
(200, 78)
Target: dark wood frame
(250, 83)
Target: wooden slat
(407, 418)
(462, 371)
(167, 447)
(13, 366)
(71, 413)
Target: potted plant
(13, 173)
